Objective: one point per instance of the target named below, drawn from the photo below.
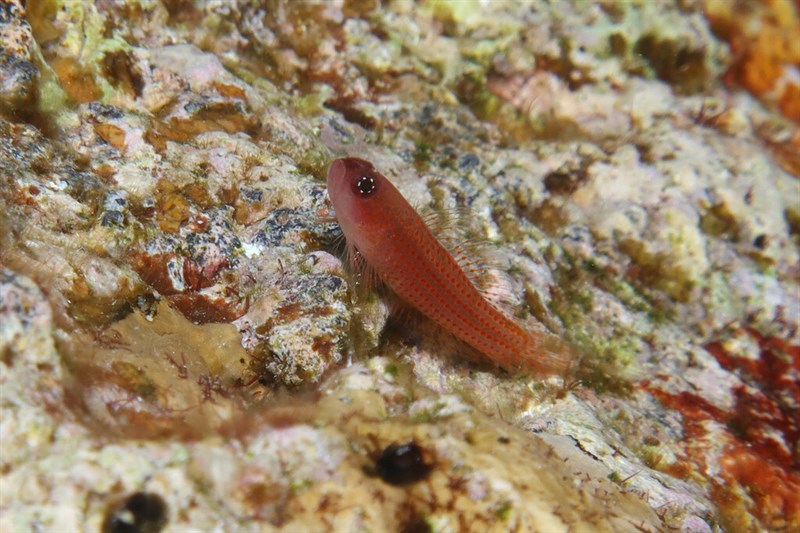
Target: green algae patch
(466, 14)
(472, 90)
(81, 56)
(658, 270)
(607, 352)
(720, 221)
(675, 62)
(52, 96)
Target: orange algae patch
(764, 42)
(775, 492)
(759, 467)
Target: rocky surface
(182, 347)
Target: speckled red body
(395, 241)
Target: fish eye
(366, 186)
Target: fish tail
(547, 355)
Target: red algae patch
(775, 406)
(758, 437)
(774, 493)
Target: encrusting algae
(173, 318)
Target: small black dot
(112, 218)
(366, 185)
(760, 242)
(503, 440)
(142, 512)
(468, 162)
(416, 525)
(402, 464)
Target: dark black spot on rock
(19, 91)
(760, 242)
(121, 70)
(675, 62)
(427, 113)
(8, 12)
(503, 440)
(112, 218)
(142, 512)
(402, 464)
(84, 187)
(105, 111)
(468, 162)
(333, 283)
(278, 224)
(181, 10)
(561, 182)
(254, 195)
(416, 525)
(618, 43)
(342, 131)
(349, 111)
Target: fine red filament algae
(396, 244)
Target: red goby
(396, 243)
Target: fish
(388, 237)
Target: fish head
(360, 196)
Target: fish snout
(337, 171)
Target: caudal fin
(547, 355)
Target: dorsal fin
(456, 229)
